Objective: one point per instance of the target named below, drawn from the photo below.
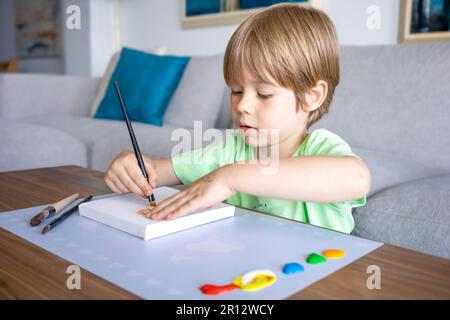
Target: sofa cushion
(414, 215)
(104, 139)
(199, 94)
(109, 136)
(154, 142)
(147, 83)
(28, 146)
(27, 95)
(395, 99)
(87, 130)
(389, 169)
(107, 77)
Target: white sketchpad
(120, 212)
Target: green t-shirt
(190, 166)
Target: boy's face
(256, 106)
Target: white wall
(102, 33)
(149, 24)
(153, 23)
(77, 45)
(88, 49)
(350, 18)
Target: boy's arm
(325, 179)
(165, 173)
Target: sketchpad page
(124, 212)
(240, 253)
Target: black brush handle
(68, 213)
(137, 152)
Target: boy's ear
(315, 96)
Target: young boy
(282, 65)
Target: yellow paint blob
(334, 253)
(255, 280)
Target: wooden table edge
(368, 259)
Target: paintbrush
(137, 152)
(64, 216)
(52, 209)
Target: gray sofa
(392, 105)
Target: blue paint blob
(291, 268)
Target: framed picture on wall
(201, 13)
(37, 28)
(424, 20)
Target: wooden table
(29, 272)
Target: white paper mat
(175, 266)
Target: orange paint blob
(141, 212)
(334, 253)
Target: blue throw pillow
(147, 83)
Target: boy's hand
(124, 175)
(200, 194)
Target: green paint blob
(315, 258)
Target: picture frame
(424, 20)
(224, 12)
(37, 28)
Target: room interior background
(150, 24)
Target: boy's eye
(264, 96)
(260, 95)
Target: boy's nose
(245, 106)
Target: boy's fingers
(168, 201)
(112, 186)
(186, 208)
(171, 208)
(138, 179)
(129, 183)
(160, 208)
(116, 181)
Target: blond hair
(295, 45)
